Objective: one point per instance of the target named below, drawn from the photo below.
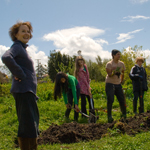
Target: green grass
(52, 111)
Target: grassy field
(53, 112)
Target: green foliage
(45, 91)
(60, 62)
(97, 70)
(41, 70)
(129, 57)
(52, 111)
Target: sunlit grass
(52, 111)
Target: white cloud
(35, 54)
(32, 51)
(134, 18)
(101, 41)
(139, 1)
(126, 36)
(69, 41)
(2, 51)
(147, 54)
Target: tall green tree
(59, 62)
(41, 70)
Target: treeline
(65, 63)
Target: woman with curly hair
(24, 85)
(69, 86)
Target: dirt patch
(75, 132)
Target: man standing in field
(115, 74)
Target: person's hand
(141, 77)
(90, 88)
(68, 106)
(17, 79)
(90, 94)
(77, 108)
(121, 82)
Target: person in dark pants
(82, 75)
(69, 86)
(139, 81)
(24, 83)
(115, 74)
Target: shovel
(90, 118)
(78, 111)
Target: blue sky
(93, 26)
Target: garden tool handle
(70, 107)
(79, 111)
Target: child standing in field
(115, 74)
(139, 81)
(82, 75)
(69, 86)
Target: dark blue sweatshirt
(21, 66)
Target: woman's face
(81, 62)
(63, 80)
(23, 34)
(117, 56)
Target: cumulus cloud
(33, 53)
(126, 36)
(147, 54)
(37, 55)
(2, 51)
(69, 41)
(134, 18)
(139, 1)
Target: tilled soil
(75, 132)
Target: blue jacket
(139, 78)
(21, 66)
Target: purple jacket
(21, 66)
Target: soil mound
(75, 132)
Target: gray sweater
(21, 66)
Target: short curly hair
(140, 59)
(15, 28)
